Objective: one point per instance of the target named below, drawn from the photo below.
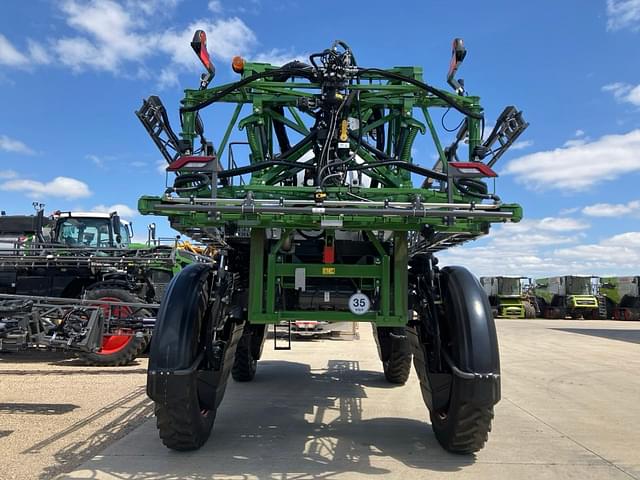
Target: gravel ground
(56, 413)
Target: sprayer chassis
(329, 227)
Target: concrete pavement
(570, 409)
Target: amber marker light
(237, 63)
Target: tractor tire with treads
(190, 361)
(245, 364)
(460, 397)
(395, 353)
(116, 350)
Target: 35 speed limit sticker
(359, 303)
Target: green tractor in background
(574, 296)
(508, 297)
(622, 297)
(88, 256)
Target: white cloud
(624, 92)
(576, 167)
(623, 14)
(521, 145)
(121, 36)
(96, 160)
(579, 133)
(12, 145)
(63, 187)
(568, 211)
(124, 211)
(575, 142)
(37, 53)
(612, 209)
(168, 78)
(9, 55)
(6, 174)
(544, 231)
(620, 252)
(277, 56)
(215, 6)
(112, 36)
(536, 254)
(225, 39)
(556, 224)
(161, 167)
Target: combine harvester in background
(509, 296)
(55, 270)
(573, 296)
(622, 296)
(322, 221)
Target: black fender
(476, 341)
(473, 373)
(177, 351)
(176, 332)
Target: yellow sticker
(328, 271)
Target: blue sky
(72, 73)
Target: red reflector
(329, 254)
(190, 161)
(471, 168)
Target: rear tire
(398, 367)
(529, 310)
(116, 350)
(395, 353)
(245, 364)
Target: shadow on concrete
(293, 422)
(53, 358)
(38, 408)
(630, 336)
(36, 356)
(86, 371)
(132, 410)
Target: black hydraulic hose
(376, 114)
(466, 186)
(291, 72)
(425, 172)
(278, 126)
(310, 237)
(200, 180)
(233, 172)
(281, 132)
(311, 136)
(428, 88)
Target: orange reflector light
(237, 63)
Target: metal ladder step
(282, 336)
(602, 306)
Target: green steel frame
(422, 219)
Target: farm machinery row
(329, 217)
(75, 281)
(572, 296)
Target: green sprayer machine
(327, 218)
(574, 296)
(508, 298)
(622, 297)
